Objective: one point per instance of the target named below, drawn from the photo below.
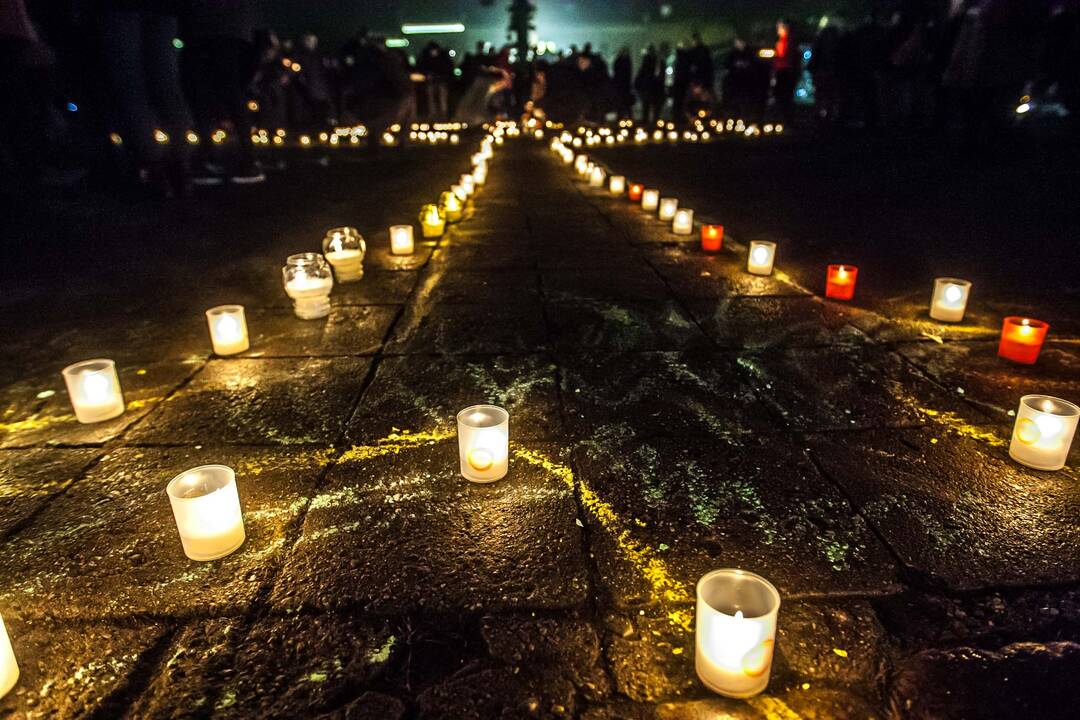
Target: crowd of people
(161, 78)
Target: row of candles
(1045, 425)
(204, 500)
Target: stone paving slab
(848, 388)
(993, 383)
(262, 287)
(424, 393)
(110, 548)
(480, 258)
(756, 503)
(36, 410)
(29, 478)
(635, 282)
(673, 393)
(693, 274)
(478, 287)
(907, 319)
(258, 401)
(955, 510)
(755, 323)
(598, 325)
(74, 671)
(397, 529)
(474, 328)
(346, 331)
(379, 257)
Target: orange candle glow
(840, 282)
(1021, 339)
(712, 237)
(634, 195)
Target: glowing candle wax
(308, 282)
(668, 206)
(206, 507)
(94, 389)
(596, 177)
(760, 259)
(345, 249)
(840, 282)
(1043, 432)
(633, 194)
(683, 222)
(228, 329)
(483, 438)
(451, 206)
(1022, 339)
(401, 240)
(9, 668)
(432, 221)
(735, 632)
(650, 199)
(712, 237)
(617, 185)
(949, 299)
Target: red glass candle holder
(1022, 339)
(712, 237)
(634, 193)
(840, 282)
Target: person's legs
(122, 42)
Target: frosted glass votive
(228, 329)
(1043, 432)
(94, 389)
(483, 442)
(206, 507)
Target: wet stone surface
(346, 331)
(397, 529)
(596, 324)
(281, 401)
(767, 322)
(452, 329)
(111, 548)
(29, 478)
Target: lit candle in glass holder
(949, 299)
(228, 329)
(432, 221)
(401, 240)
(467, 183)
(94, 389)
(668, 206)
(650, 199)
(345, 248)
(451, 206)
(712, 237)
(617, 185)
(9, 668)
(760, 259)
(840, 282)
(683, 222)
(634, 192)
(1022, 339)
(596, 177)
(206, 507)
(308, 282)
(735, 632)
(1043, 432)
(483, 439)
(581, 164)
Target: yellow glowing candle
(1043, 432)
(650, 199)
(206, 507)
(617, 184)
(345, 249)
(401, 240)
(308, 281)
(9, 668)
(94, 389)
(432, 221)
(683, 222)
(228, 329)
(735, 632)
(483, 439)
(761, 257)
(451, 206)
(950, 299)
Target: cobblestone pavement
(670, 414)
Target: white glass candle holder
(9, 668)
(483, 439)
(650, 199)
(467, 183)
(683, 222)
(596, 178)
(459, 191)
(480, 174)
(345, 248)
(94, 389)
(401, 240)
(1043, 432)
(950, 299)
(617, 184)
(668, 206)
(228, 329)
(581, 163)
(206, 507)
(735, 632)
(760, 259)
(308, 282)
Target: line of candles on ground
(1044, 426)
(701, 129)
(204, 499)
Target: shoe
(247, 173)
(208, 173)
